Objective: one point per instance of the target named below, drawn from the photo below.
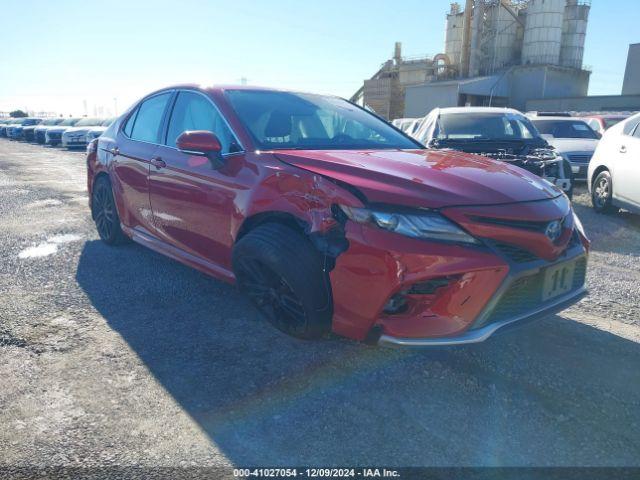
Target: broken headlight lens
(429, 226)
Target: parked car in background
(614, 172)
(76, 136)
(407, 125)
(53, 134)
(329, 219)
(4, 123)
(29, 131)
(572, 138)
(95, 132)
(14, 132)
(40, 130)
(601, 123)
(499, 133)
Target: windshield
(107, 122)
(286, 120)
(565, 128)
(611, 121)
(88, 122)
(484, 126)
(51, 121)
(68, 122)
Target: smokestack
(397, 54)
(466, 38)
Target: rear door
(135, 147)
(626, 181)
(193, 201)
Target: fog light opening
(431, 286)
(396, 304)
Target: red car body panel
(194, 213)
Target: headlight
(430, 226)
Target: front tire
(281, 272)
(602, 193)
(105, 214)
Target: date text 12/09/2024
(316, 472)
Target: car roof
(223, 87)
(478, 109)
(556, 119)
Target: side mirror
(201, 142)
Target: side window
(146, 127)
(130, 121)
(630, 125)
(637, 132)
(193, 111)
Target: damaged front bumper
(480, 291)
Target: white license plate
(575, 169)
(558, 280)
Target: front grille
(516, 254)
(580, 158)
(55, 136)
(525, 295)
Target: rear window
(565, 128)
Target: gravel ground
(119, 356)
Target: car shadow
(552, 393)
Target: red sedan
(330, 219)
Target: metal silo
(574, 32)
(543, 32)
(453, 35)
(501, 37)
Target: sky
(57, 55)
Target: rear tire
(602, 193)
(281, 272)
(105, 214)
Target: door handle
(158, 163)
(115, 150)
(623, 149)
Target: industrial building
(631, 85)
(629, 101)
(496, 52)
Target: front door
(192, 200)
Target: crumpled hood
(563, 145)
(424, 178)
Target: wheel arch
(598, 171)
(272, 216)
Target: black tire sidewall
(292, 257)
(608, 206)
(117, 236)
